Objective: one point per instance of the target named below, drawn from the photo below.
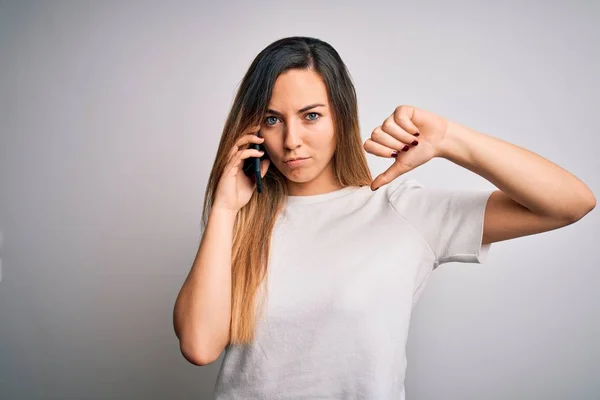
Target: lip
(297, 162)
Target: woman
(309, 285)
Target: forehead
(297, 88)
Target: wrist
(450, 145)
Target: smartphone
(252, 165)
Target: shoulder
(401, 186)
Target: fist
(410, 136)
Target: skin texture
(290, 133)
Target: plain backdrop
(110, 117)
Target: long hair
(255, 221)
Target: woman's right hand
(235, 189)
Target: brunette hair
(255, 221)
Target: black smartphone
(252, 165)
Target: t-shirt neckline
(318, 198)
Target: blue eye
(267, 119)
(317, 116)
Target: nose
(293, 136)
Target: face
(299, 124)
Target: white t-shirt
(345, 270)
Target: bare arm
(202, 312)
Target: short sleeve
(450, 221)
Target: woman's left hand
(399, 131)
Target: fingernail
(394, 154)
(417, 134)
(405, 148)
(415, 142)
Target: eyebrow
(270, 111)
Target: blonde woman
(308, 286)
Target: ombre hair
(255, 221)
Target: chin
(301, 177)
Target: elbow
(198, 355)
(590, 204)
